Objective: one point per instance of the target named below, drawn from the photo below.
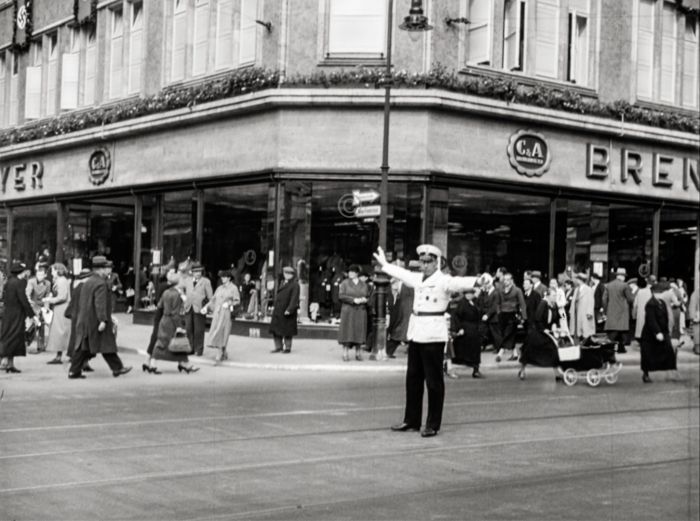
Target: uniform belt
(428, 313)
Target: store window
(34, 231)
(179, 226)
(677, 246)
(3, 242)
(488, 230)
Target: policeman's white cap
(429, 249)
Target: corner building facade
(264, 179)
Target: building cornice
(402, 99)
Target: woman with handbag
(60, 326)
(172, 344)
(223, 303)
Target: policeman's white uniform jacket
(432, 296)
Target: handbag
(179, 343)
(47, 315)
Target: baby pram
(593, 360)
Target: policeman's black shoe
(428, 432)
(75, 376)
(403, 427)
(121, 371)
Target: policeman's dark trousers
(82, 355)
(282, 343)
(509, 327)
(424, 366)
(199, 323)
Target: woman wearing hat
(17, 310)
(59, 330)
(171, 304)
(283, 326)
(656, 349)
(222, 304)
(538, 348)
(354, 295)
(465, 318)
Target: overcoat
(400, 308)
(538, 348)
(638, 309)
(286, 300)
(95, 306)
(353, 317)
(171, 305)
(656, 355)
(225, 298)
(467, 347)
(617, 300)
(488, 304)
(531, 302)
(71, 313)
(581, 320)
(17, 309)
(59, 330)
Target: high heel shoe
(12, 369)
(149, 369)
(188, 370)
(521, 374)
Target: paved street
(232, 443)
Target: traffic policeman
(427, 334)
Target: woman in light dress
(222, 304)
(59, 300)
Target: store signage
(22, 176)
(100, 164)
(665, 169)
(372, 210)
(367, 196)
(528, 153)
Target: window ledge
(205, 77)
(664, 106)
(353, 60)
(528, 81)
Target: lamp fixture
(461, 20)
(266, 25)
(416, 19)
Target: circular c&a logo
(100, 165)
(528, 153)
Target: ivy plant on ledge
(251, 80)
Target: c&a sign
(529, 153)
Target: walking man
(94, 333)
(616, 301)
(427, 335)
(201, 294)
(511, 304)
(488, 304)
(38, 288)
(17, 310)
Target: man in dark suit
(616, 301)
(93, 328)
(537, 285)
(532, 300)
(598, 302)
(487, 302)
(400, 309)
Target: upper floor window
(70, 71)
(547, 38)
(579, 47)
(514, 35)
(32, 94)
(206, 35)
(135, 46)
(356, 27)
(479, 32)
(669, 43)
(13, 111)
(689, 86)
(116, 52)
(52, 73)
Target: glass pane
(179, 216)
(34, 232)
(677, 246)
(488, 230)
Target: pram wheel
(570, 377)
(611, 378)
(593, 377)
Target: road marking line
(331, 459)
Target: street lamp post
(415, 21)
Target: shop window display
(487, 230)
(677, 246)
(34, 232)
(179, 226)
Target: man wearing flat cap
(93, 328)
(427, 335)
(617, 300)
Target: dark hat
(659, 287)
(100, 261)
(355, 268)
(17, 267)
(84, 273)
(226, 273)
(185, 266)
(289, 269)
(536, 274)
(196, 266)
(621, 271)
(582, 276)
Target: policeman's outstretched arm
(405, 276)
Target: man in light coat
(640, 301)
(201, 294)
(581, 320)
(616, 301)
(427, 335)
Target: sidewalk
(319, 355)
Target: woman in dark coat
(71, 312)
(161, 286)
(172, 317)
(656, 349)
(539, 349)
(17, 309)
(283, 326)
(465, 317)
(354, 295)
